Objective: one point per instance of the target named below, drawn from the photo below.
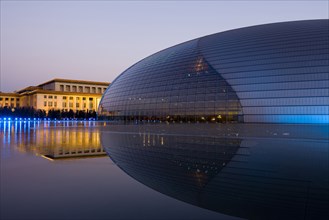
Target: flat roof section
(75, 81)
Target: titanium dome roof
(272, 73)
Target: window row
(50, 97)
(83, 89)
(71, 104)
(7, 99)
(78, 98)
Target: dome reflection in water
(282, 173)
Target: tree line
(30, 112)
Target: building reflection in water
(254, 178)
(52, 140)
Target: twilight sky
(97, 40)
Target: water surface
(36, 182)
(249, 171)
(93, 170)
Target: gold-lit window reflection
(54, 140)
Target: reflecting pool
(97, 170)
(59, 170)
(248, 171)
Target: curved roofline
(235, 29)
(259, 25)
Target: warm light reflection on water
(52, 139)
(32, 187)
(280, 171)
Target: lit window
(45, 104)
(50, 104)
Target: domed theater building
(272, 73)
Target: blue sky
(97, 40)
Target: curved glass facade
(273, 73)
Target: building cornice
(75, 81)
(9, 94)
(42, 91)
